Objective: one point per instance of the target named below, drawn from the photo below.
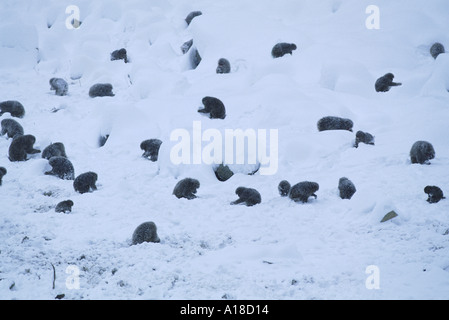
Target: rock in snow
(207, 249)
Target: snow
(277, 250)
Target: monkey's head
(195, 184)
(207, 100)
(360, 135)
(284, 188)
(239, 191)
(223, 62)
(389, 76)
(121, 53)
(93, 176)
(69, 203)
(343, 179)
(30, 138)
(429, 189)
(313, 187)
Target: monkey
(102, 140)
(214, 107)
(186, 46)
(346, 188)
(146, 232)
(3, 173)
(384, 83)
(421, 152)
(120, 54)
(250, 197)
(101, 90)
(15, 108)
(76, 23)
(192, 15)
(85, 182)
(11, 128)
(56, 149)
(223, 172)
(195, 58)
(334, 123)
(281, 49)
(60, 86)
(435, 194)
(186, 188)
(61, 168)
(223, 66)
(363, 137)
(64, 206)
(301, 192)
(151, 149)
(21, 146)
(284, 188)
(437, 49)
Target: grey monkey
(223, 172)
(302, 191)
(214, 107)
(346, 188)
(436, 49)
(334, 123)
(120, 54)
(15, 108)
(363, 137)
(64, 206)
(282, 48)
(194, 55)
(101, 90)
(60, 86)
(21, 146)
(384, 83)
(195, 58)
(435, 194)
(3, 172)
(421, 152)
(186, 46)
(85, 182)
(248, 196)
(11, 128)
(151, 149)
(102, 140)
(61, 168)
(192, 15)
(223, 66)
(146, 232)
(56, 149)
(186, 188)
(284, 188)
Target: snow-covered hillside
(328, 248)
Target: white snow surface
(276, 250)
